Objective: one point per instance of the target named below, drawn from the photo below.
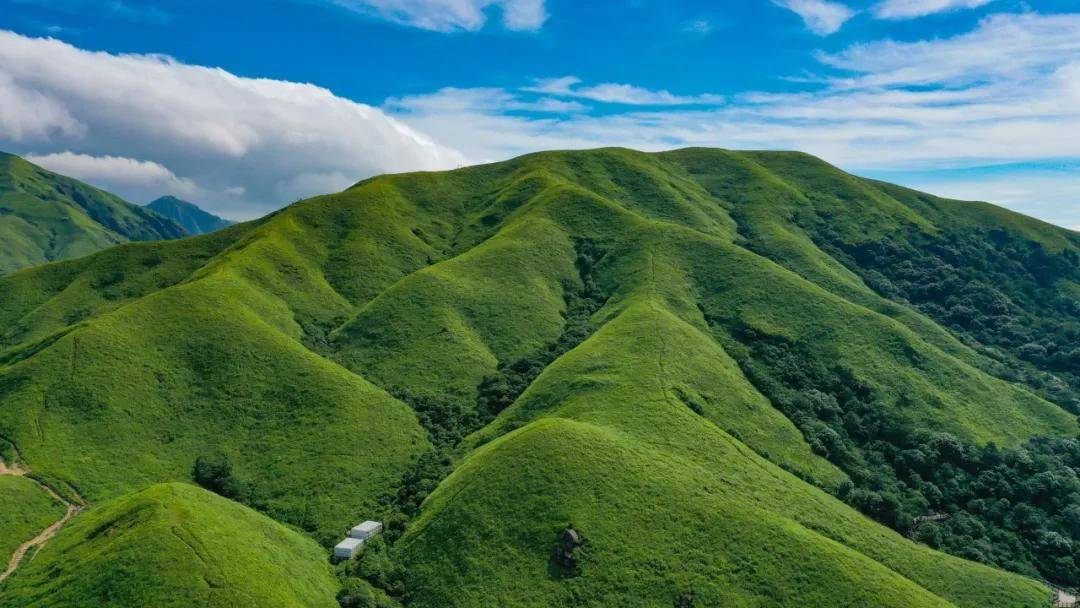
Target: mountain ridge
(565, 339)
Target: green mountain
(175, 545)
(741, 378)
(46, 217)
(193, 219)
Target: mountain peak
(189, 215)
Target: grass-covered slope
(209, 367)
(192, 218)
(174, 545)
(25, 510)
(669, 351)
(46, 217)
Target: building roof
(349, 543)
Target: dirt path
(38, 541)
(12, 469)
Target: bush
(358, 593)
(215, 474)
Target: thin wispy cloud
(127, 10)
(453, 15)
(1035, 46)
(452, 99)
(700, 26)
(911, 9)
(618, 93)
(821, 17)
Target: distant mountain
(46, 217)
(188, 215)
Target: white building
(366, 530)
(348, 548)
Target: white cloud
(1003, 48)
(114, 172)
(889, 105)
(910, 9)
(453, 15)
(219, 130)
(948, 100)
(626, 94)
(821, 16)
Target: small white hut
(366, 531)
(348, 548)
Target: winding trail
(39, 540)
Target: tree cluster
(1000, 293)
(1017, 509)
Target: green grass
(277, 343)
(45, 217)
(174, 545)
(732, 528)
(25, 510)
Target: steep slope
(46, 217)
(174, 545)
(190, 217)
(663, 350)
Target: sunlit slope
(500, 299)
(174, 545)
(212, 365)
(737, 531)
(45, 217)
(295, 346)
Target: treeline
(1017, 509)
(997, 292)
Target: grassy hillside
(174, 545)
(676, 353)
(25, 510)
(190, 217)
(46, 217)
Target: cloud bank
(221, 134)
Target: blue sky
(968, 98)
